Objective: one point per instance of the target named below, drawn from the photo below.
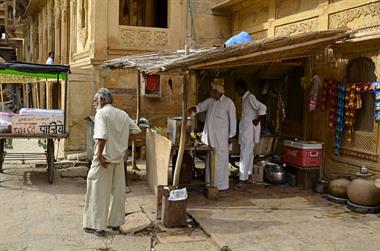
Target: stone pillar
(40, 40)
(50, 26)
(57, 31)
(271, 16)
(44, 40)
(49, 95)
(65, 34)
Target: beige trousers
(105, 197)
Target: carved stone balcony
(143, 38)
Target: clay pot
(338, 187)
(363, 191)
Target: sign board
(27, 124)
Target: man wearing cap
(249, 129)
(219, 130)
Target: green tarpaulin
(19, 72)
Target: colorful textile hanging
(376, 86)
(350, 110)
(332, 93)
(340, 117)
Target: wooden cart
(27, 73)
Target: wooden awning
(276, 49)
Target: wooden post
(182, 141)
(2, 98)
(134, 166)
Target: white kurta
(220, 125)
(105, 197)
(249, 134)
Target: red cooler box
(302, 153)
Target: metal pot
(322, 187)
(274, 173)
(338, 187)
(363, 190)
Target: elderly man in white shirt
(249, 129)
(219, 130)
(105, 198)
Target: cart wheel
(50, 160)
(2, 154)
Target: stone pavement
(283, 218)
(38, 216)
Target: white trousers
(222, 171)
(246, 160)
(105, 197)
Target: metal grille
(361, 142)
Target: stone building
(85, 33)
(355, 61)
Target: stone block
(78, 171)
(77, 156)
(131, 243)
(135, 222)
(181, 235)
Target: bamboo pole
(182, 140)
(138, 108)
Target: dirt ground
(284, 218)
(38, 216)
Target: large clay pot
(362, 190)
(338, 187)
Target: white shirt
(220, 121)
(252, 109)
(113, 125)
(50, 60)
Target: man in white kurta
(249, 129)
(219, 129)
(105, 197)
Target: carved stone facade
(365, 17)
(291, 17)
(259, 35)
(297, 27)
(146, 38)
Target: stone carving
(83, 21)
(360, 155)
(259, 35)
(143, 37)
(359, 18)
(297, 28)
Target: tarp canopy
(275, 49)
(20, 72)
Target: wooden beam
(138, 109)
(182, 141)
(322, 41)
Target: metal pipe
(182, 141)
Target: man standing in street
(249, 129)
(219, 130)
(50, 59)
(105, 197)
